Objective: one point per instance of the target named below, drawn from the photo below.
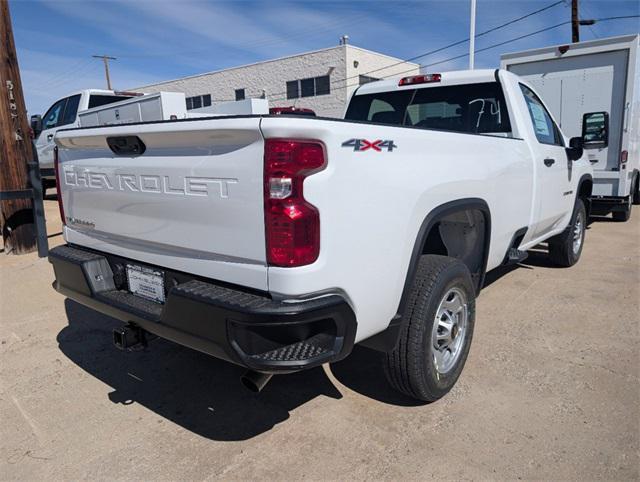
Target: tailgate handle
(126, 145)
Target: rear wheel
(625, 214)
(436, 331)
(635, 190)
(565, 248)
(47, 184)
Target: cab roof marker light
(420, 79)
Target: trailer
(593, 90)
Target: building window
(365, 79)
(239, 94)
(322, 85)
(198, 101)
(309, 87)
(293, 90)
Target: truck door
(552, 168)
(62, 113)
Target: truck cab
(64, 114)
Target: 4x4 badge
(365, 145)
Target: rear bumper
(247, 328)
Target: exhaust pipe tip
(255, 381)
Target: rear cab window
(473, 109)
(97, 100)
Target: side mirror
(36, 125)
(595, 130)
(575, 149)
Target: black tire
(46, 184)
(411, 367)
(561, 247)
(622, 216)
(635, 190)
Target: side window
(53, 115)
(71, 110)
(544, 127)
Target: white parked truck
(593, 90)
(278, 242)
(64, 114)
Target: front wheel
(436, 331)
(565, 248)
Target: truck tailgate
(192, 201)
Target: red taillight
(624, 155)
(420, 79)
(292, 225)
(56, 167)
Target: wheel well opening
(460, 235)
(584, 193)
(585, 189)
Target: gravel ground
(550, 391)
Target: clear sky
(156, 40)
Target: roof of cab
(456, 77)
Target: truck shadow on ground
(362, 371)
(198, 392)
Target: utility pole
(105, 59)
(16, 149)
(575, 22)
(472, 35)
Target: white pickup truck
(279, 242)
(64, 114)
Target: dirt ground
(550, 390)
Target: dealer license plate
(145, 282)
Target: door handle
(549, 162)
(593, 161)
(49, 137)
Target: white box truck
(593, 90)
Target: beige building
(321, 80)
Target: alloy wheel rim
(449, 330)
(578, 229)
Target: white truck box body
(593, 76)
(146, 108)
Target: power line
(459, 42)
(66, 73)
(499, 44)
(591, 29)
(439, 49)
(81, 71)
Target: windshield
(472, 108)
